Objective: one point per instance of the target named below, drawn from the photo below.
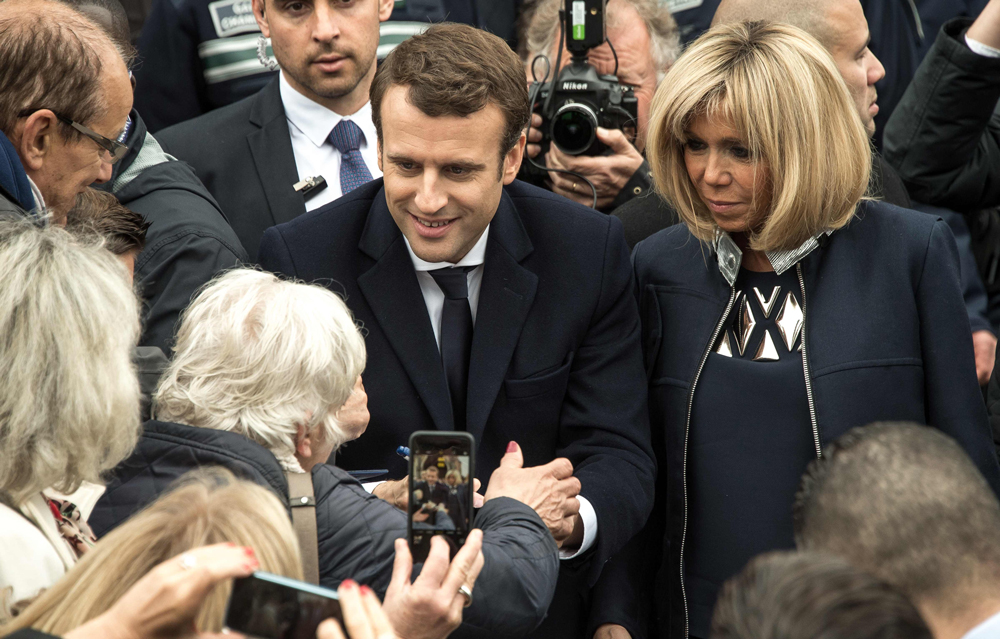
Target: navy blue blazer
(556, 359)
(887, 338)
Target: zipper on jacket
(687, 432)
(805, 367)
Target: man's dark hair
(110, 15)
(795, 595)
(907, 503)
(100, 213)
(49, 59)
(455, 69)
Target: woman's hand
(431, 607)
(363, 616)
(164, 603)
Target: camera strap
(303, 504)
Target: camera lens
(574, 128)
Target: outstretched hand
(164, 603)
(551, 490)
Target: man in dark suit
(489, 305)
(252, 154)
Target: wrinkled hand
(353, 416)
(612, 631)
(550, 490)
(608, 173)
(363, 615)
(985, 345)
(394, 491)
(431, 607)
(164, 603)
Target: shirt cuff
(370, 485)
(589, 518)
(982, 49)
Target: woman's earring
(262, 56)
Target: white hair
(542, 34)
(261, 356)
(69, 393)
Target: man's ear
(378, 149)
(37, 139)
(303, 442)
(512, 161)
(258, 14)
(385, 9)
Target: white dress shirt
(989, 629)
(309, 127)
(434, 300)
(982, 49)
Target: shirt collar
(475, 257)
(37, 194)
(985, 630)
(729, 256)
(315, 121)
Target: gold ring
(574, 187)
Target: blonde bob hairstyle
(69, 394)
(261, 357)
(207, 506)
(780, 90)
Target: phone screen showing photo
(440, 491)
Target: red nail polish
(349, 583)
(251, 566)
(512, 447)
(249, 552)
(365, 590)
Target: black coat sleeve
(944, 137)
(604, 425)
(952, 397)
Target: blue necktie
(456, 335)
(347, 137)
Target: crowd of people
(733, 377)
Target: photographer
(644, 36)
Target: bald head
(839, 25)
(808, 15)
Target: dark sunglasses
(115, 148)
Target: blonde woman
(206, 508)
(260, 369)
(69, 397)
(787, 307)
(122, 587)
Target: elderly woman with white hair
(261, 368)
(69, 397)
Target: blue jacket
(15, 190)
(886, 337)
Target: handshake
(551, 490)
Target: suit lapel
(392, 292)
(505, 298)
(271, 149)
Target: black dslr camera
(578, 99)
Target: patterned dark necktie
(347, 137)
(456, 335)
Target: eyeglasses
(116, 150)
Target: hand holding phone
(431, 606)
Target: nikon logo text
(574, 86)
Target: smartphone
(442, 466)
(269, 606)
